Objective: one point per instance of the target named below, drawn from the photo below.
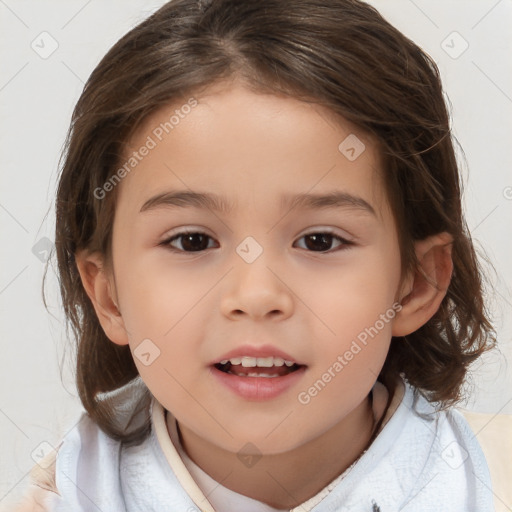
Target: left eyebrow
(334, 199)
(204, 200)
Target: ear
(101, 291)
(426, 288)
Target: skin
(196, 306)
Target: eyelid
(345, 235)
(184, 230)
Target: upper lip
(256, 351)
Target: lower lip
(259, 388)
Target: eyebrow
(205, 200)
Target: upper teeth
(265, 362)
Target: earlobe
(428, 286)
(100, 290)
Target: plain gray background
(37, 95)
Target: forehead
(242, 144)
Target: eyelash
(345, 244)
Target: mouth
(269, 369)
(258, 378)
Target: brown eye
(322, 242)
(189, 241)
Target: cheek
(160, 309)
(157, 297)
(357, 308)
(348, 365)
(168, 360)
(358, 339)
(354, 295)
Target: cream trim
(180, 470)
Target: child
(304, 355)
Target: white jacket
(421, 460)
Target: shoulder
(422, 459)
(86, 455)
(41, 487)
(452, 470)
(494, 433)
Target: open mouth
(256, 378)
(257, 371)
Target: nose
(257, 290)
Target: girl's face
(314, 281)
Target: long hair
(340, 54)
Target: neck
(286, 480)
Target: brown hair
(340, 54)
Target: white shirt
(421, 460)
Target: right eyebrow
(184, 199)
